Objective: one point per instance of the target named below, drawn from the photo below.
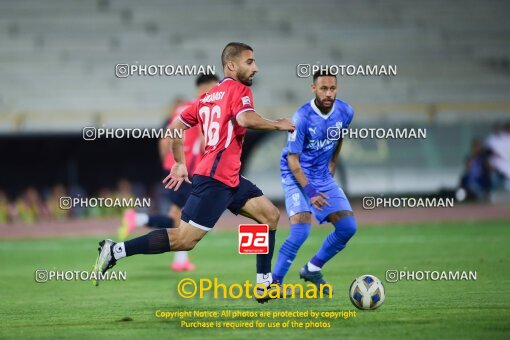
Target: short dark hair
(323, 72)
(206, 78)
(233, 50)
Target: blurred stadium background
(57, 61)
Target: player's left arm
(334, 157)
(245, 115)
(338, 148)
(252, 120)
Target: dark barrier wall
(45, 160)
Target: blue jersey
(310, 140)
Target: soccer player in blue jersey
(307, 167)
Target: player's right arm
(177, 145)
(179, 173)
(295, 147)
(317, 198)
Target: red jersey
(192, 143)
(216, 112)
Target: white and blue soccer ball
(367, 292)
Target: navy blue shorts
(210, 198)
(180, 196)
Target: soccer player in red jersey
(223, 113)
(193, 147)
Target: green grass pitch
(415, 309)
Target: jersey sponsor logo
(213, 97)
(325, 144)
(253, 239)
(246, 100)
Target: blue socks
(298, 234)
(336, 241)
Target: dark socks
(264, 260)
(155, 242)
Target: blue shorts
(296, 201)
(209, 198)
(180, 196)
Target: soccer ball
(367, 292)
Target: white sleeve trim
(244, 110)
(199, 226)
(182, 121)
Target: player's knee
(338, 215)
(345, 228)
(351, 229)
(273, 216)
(301, 218)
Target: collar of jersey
(226, 78)
(317, 111)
